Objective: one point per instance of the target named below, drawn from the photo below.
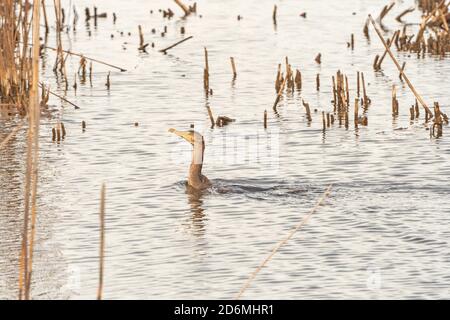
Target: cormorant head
(190, 136)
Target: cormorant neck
(195, 170)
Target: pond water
(382, 232)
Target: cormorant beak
(186, 135)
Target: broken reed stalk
(142, 45)
(318, 82)
(233, 67)
(385, 11)
(211, 117)
(183, 7)
(357, 84)
(60, 97)
(34, 118)
(32, 158)
(175, 44)
(389, 43)
(44, 12)
(356, 112)
(307, 110)
(401, 15)
(88, 58)
(206, 73)
(102, 243)
(418, 96)
(283, 242)
(265, 119)
(365, 98)
(394, 101)
(280, 93)
(274, 14)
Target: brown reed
(283, 242)
(175, 44)
(233, 67)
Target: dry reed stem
(88, 58)
(175, 44)
(233, 67)
(389, 43)
(183, 7)
(102, 243)
(280, 93)
(60, 97)
(34, 118)
(274, 14)
(419, 98)
(211, 117)
(401, 15)
(282, 242)
(265, 119)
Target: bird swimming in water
(196, 179)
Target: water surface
(382, 233)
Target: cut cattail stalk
(394, 102)
(63, 131)
(352, 41)
(83, 125)
(175, 44)
(142, 45)
(328, 120)
(211, 117)
(233, 67)
(385, 11)
(183, 7)
(44, 12)
(108, 82)
(102, 243)
(365, 98)
(317, 82)
(60, 97)
(401, 15)
(265, 119)
(389, 43)
(323, 121)
(206, 72)
(403, 70)
(411, 112)
(88, 58)
(274, 15)
(298, 79)
(279, 94)
(58, 132)
(375, 62)
(308, 110)
(419, 98)
(356, 111)
(416, 107)
(366, 29)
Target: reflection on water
(382, 233)
(197, 212)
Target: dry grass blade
(282, 242)
(34, 116)
(418, 96)
(175, 44)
